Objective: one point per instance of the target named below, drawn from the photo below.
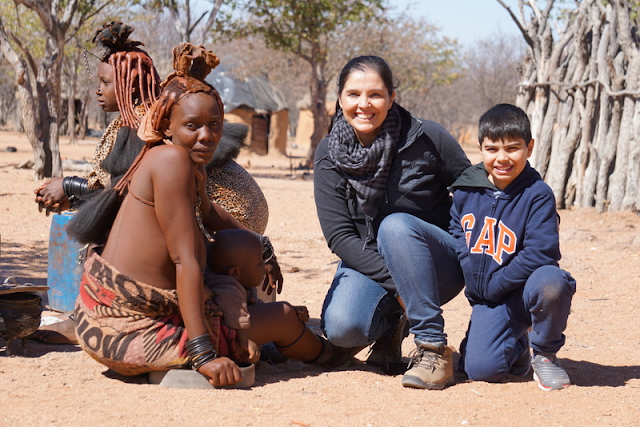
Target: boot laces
(425, 357)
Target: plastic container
(65, 268)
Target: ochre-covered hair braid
(192, 64)
(136, 78)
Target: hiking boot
(386, 352)
(431, 367)
(548, 373)
(522, 366)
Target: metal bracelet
(267, 248)
(74, 186)
(202, 359)
(200, 350)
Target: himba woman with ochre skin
(127, 314)
(128, 84)
(381, 178)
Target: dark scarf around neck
(366, 168)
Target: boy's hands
(221, 371)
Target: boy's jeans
(425, 269)
(496, 335)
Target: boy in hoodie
(505, 224)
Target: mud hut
(258, 104)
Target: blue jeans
(425, 269)
(496, 336)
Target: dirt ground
(61, 386)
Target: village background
(440, 79)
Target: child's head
(237, 253)
(126, 72)
(504, 139)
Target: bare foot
(63, 332)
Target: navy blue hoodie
(502, 236)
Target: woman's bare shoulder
(168, 159)
(167, 151)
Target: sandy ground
(60, 385)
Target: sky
(465, 20)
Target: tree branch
(607, 89)
(524, 32)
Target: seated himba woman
(129, 84)
(143, 305)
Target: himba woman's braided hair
(192, 64)
(132, 67)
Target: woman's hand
(50, 196)
(274, 278)
(221, 371)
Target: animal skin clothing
(508, 246)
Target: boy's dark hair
(504, 121)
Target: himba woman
(142, 304)
(129, 84)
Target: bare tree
(580, 85)
(7, 93)
(489, 75)
(186, 19)
(40, 101)
(493, 69)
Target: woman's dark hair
(364, 63)
(504, 121)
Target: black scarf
(365, 168)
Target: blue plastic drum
(65, 265)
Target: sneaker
(386, 352)
(548, 373)
(522, 366)
(431, 367)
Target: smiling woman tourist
(381, 178)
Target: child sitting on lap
(505, 223)
(239, 254)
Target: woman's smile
(365, 101)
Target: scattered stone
(186, 378)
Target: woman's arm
(174, 194)
(339, 228)
(454, 159)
